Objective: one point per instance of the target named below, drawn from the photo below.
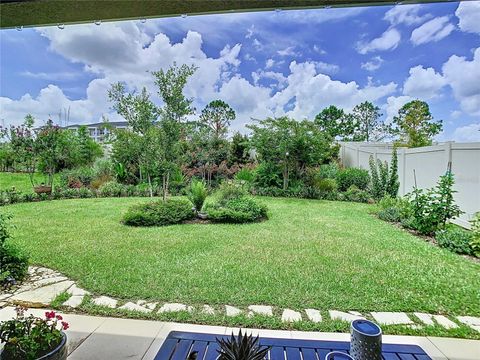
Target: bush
(357, 195)
(159, 213)
(401, 205)
(353, 176)
(197, 193)
(475, 240)
(78, 177)
(230, 190)
(112, 189)
(328, 171)
(268, 175)
(391, 214)
(13, 263)
(326, 185)
(240, 210)
(455, 239)
(384, 180)
(246, 175)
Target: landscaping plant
(241, 347)
(475, 240)
(30, 337)
(237, 210)
(13, 263)
(197, 193)
(159, 213)
(353, 176)
(455, 239)
(384, 178)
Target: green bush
(355, 194)
(112, 189)
(78, 177)
(268, 174)
(159, 213)
(475, 240)
(197, 193)
(13, 263)
(455, 239)
(402, 206)
(239, 210)
(229, 190)
(353, 176)
(391, 214)
(326, 185)
(328, 171)
(246, 175)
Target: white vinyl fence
(429, 163)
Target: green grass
(326, 255)
(21, 181)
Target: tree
(239, 149)
(414, 124)
(293, 145)
(335, 122)
(217, 116)
(366, 122)
(86, 149)
(48, 148)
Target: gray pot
(59, 353)
(338, 355)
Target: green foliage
(431, 209)
(328, 171)
(353, 176)
(236, 210)
(13, 263)
(78, 177)
(112, 189)
(243, 347)
(335, 122)
(245, 174)
(355, 194)
(230, 190)
(239, 149)
(367, 126)
(414, 124)
(384, 180)
(29, 338)
(390, 214)
(159, 213)
(455, 239)
(475, 240)
(197, 193)
(326, 185)
(217, 116)
(268, 174)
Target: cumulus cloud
(389, 40)
(468, 13)
(394, 103)
(374, 64)
(326, 68)
(462, 75)
(269, 63)
(423, 83)
(467, 133)
(405, 14)
(432, 31)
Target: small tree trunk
(150, 184)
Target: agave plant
(242, 347)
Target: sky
(271, 63)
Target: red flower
(50, 314)
(59, 317)
(65, 325)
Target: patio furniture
(179, 345)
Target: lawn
(21, 181)
(319, 254)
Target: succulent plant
(242, 347)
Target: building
(99, 131)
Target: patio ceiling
(16, 13)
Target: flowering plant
(30, 337)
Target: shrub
(384, 180)
(159, 213)
(353, 176)
(239, 210)
(246, 175)
(357, 195)
(197, 193)
(391, 214)
(13, 263)
(328, 171)
(268, 174)
(112, 188)
(78, 177)
(455, 239)
(326, 185)
(475, 240)
(402, 206)
(230, 190)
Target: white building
(99, 131)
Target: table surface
(179, 345)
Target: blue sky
(264, 64)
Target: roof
(99, 124)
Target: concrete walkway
(91, 337)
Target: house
(99, 131)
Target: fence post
(404, 170)
(448, 155)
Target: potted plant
(34, 338)
(242, 347)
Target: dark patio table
(179, 345)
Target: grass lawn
(21, 181)
(319, 254)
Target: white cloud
(51, 75)
(319, 50)
(326, 68)
(432, 31)
(272, 75)
(462, 75)
(405, 14)
(423, 83)
(468, 133)
(250, 32)
(289, 51)
(269, 63)
(468, 13)
(374, 64)
(257, 44)
(455, 114)
(389, 40)
(394, 103)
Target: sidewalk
(91, 337)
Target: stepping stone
(355, 313)
(74, 301)
(472, 321)
(425, 318)
(445, 322)
(105, 301)
(174, 307)
(313, 315)
(76, 291)
(5, 296)
(340, 315)
(232, 311)
(134, 307)
(260, 310)
(151, 306)
(291, 316)
(207, 309)
(48, 281)
(41, 296)
(391, 318)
